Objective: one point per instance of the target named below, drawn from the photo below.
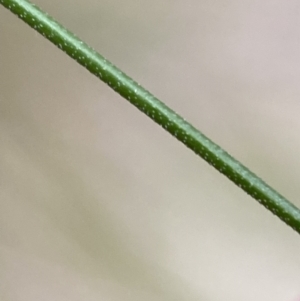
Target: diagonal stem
(156, 110)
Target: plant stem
(156, 110)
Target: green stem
(156, 110)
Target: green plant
(156, 110)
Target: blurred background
(97, 202)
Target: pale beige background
(99, 203)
